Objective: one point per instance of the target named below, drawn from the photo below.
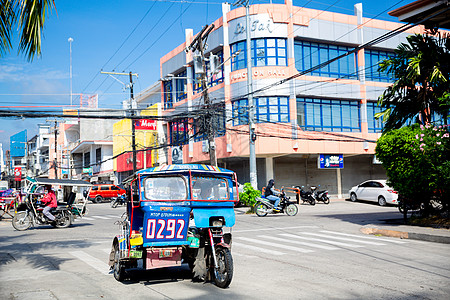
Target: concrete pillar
(269, 168)
(339, 182)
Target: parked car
(100, 192)
(374, 190)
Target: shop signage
(261, 26)
(17, 173)
(87, 170)
(330, 161)
(177, 155)
(276, 72)
(145, 124)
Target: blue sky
(98, 29)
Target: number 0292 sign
(165, 226)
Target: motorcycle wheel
(291, 210)
(119, 269)
(224, 272)
(63, 219)
(114, 203)
(261, 210)
(312, 202)
(326, 200)
(21, 221)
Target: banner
(145, 124)
(330, 161)
(17, 173)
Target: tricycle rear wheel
(118, 267)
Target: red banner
(125, 161)
(18, 173)
(145, 124)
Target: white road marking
(258, 249)
(244, 255)
(276, 228)
(92, 261)
(275, 245)
(101, 217)
(366, 237)
(87, 218)
(342, 238)
(299, 243)
(114, 217)
(322, 240)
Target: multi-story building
(38, 152)
(302, 122)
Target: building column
(269, 168)
(339, 182)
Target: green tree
(421, 68)
(29, 16)
(249, 194)
(416, 159)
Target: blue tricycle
(178, 214)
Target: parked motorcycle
(320, 196)
(32, 214)
(119, 200)
(264, 206)
(305, 196)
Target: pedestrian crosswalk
(306, 240)
(102, 217)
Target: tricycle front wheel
(224, 273)
(22, 221)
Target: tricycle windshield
(165, 188)
(209, 188)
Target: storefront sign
(177, 155)
(330, 161)
(261, 26)
(275, 72)
(17, 173)
(145, 124)
(87, 170)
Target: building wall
(294, 149)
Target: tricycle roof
(183, 168)
(62, 182)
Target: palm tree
(421, 68)
(29, 16)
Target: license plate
(165, 253)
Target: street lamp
(70, 40)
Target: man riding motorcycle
(271, 194)
(50, 202)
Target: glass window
(168, 100)
(181, 89)
(214, 78)
(179, 131)
(268, 109)
(209, 188)
(308, 55)
(372, 59)
(326, 115)
(265, 52)
(374, 125)
(114, 188)
(104, 188)
(165, 188)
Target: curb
(407, 235)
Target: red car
(100, 192)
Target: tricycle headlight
(217, 223)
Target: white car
(374, 190)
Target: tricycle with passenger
(178, 214)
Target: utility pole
(56, 151)
(132, 106)
(198, 44)
(251, 106)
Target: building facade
(304, 117)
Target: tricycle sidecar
(175, 214)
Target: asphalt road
(318, 254)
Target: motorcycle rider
(50, 202)
(271, 194)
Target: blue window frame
(168, 99)
(309, 54)
(374, 124)
(268, 109)
(372, 58)
(264, 52)
(180, 84)
(328, 115)
(179, 131)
